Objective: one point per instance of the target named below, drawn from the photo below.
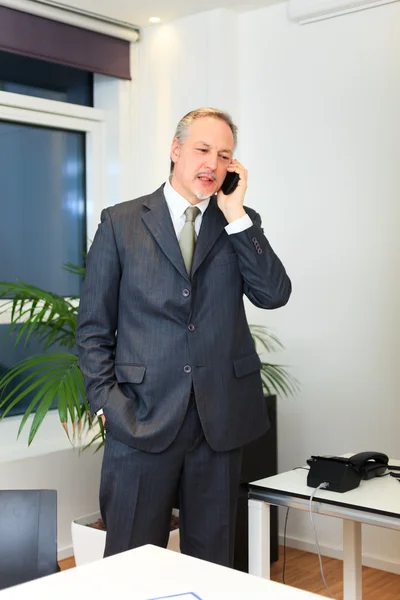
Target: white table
(148, 573)
(374, 502)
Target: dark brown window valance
(37, 37)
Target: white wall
(320, 129)
(317, 108)
(180, 66)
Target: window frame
(61, 115)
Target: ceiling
(137, 12)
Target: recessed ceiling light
(154, 20)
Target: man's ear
(175, 150)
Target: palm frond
(98, 439)
(263, 336)
(50, 316)
(276, 379)
(74, 269)
(50, 378)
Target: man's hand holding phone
(231, 204)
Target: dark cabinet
(259, 461)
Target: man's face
(202, 159)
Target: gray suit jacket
(147, 333)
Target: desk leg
(259, 539)
(352, 560)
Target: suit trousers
(139, 489)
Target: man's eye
(224, 157)
(202, 149)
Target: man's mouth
(206, 178)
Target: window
(42, 192)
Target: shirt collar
(177, 204)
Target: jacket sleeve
(98, 315)
(266, 283)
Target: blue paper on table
(186, 596)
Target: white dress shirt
(177, 205)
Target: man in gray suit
(165, 348)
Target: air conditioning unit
(308, 11)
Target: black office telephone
(369, 464)
(345, 473)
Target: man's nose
(212, 160)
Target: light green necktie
(187, 240)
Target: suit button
(187, 369)
(185, 293)
(259, 251)
(191, 327)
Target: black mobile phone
(230, 183)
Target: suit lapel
(211, 228)
(158, 220)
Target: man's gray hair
(200, 113)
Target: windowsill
(50, 438)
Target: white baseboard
(368, 560)
(64, 553)
(332, 552)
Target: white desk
(375, 502)
(148, 573)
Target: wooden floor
(68, 563)
(302, 571)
